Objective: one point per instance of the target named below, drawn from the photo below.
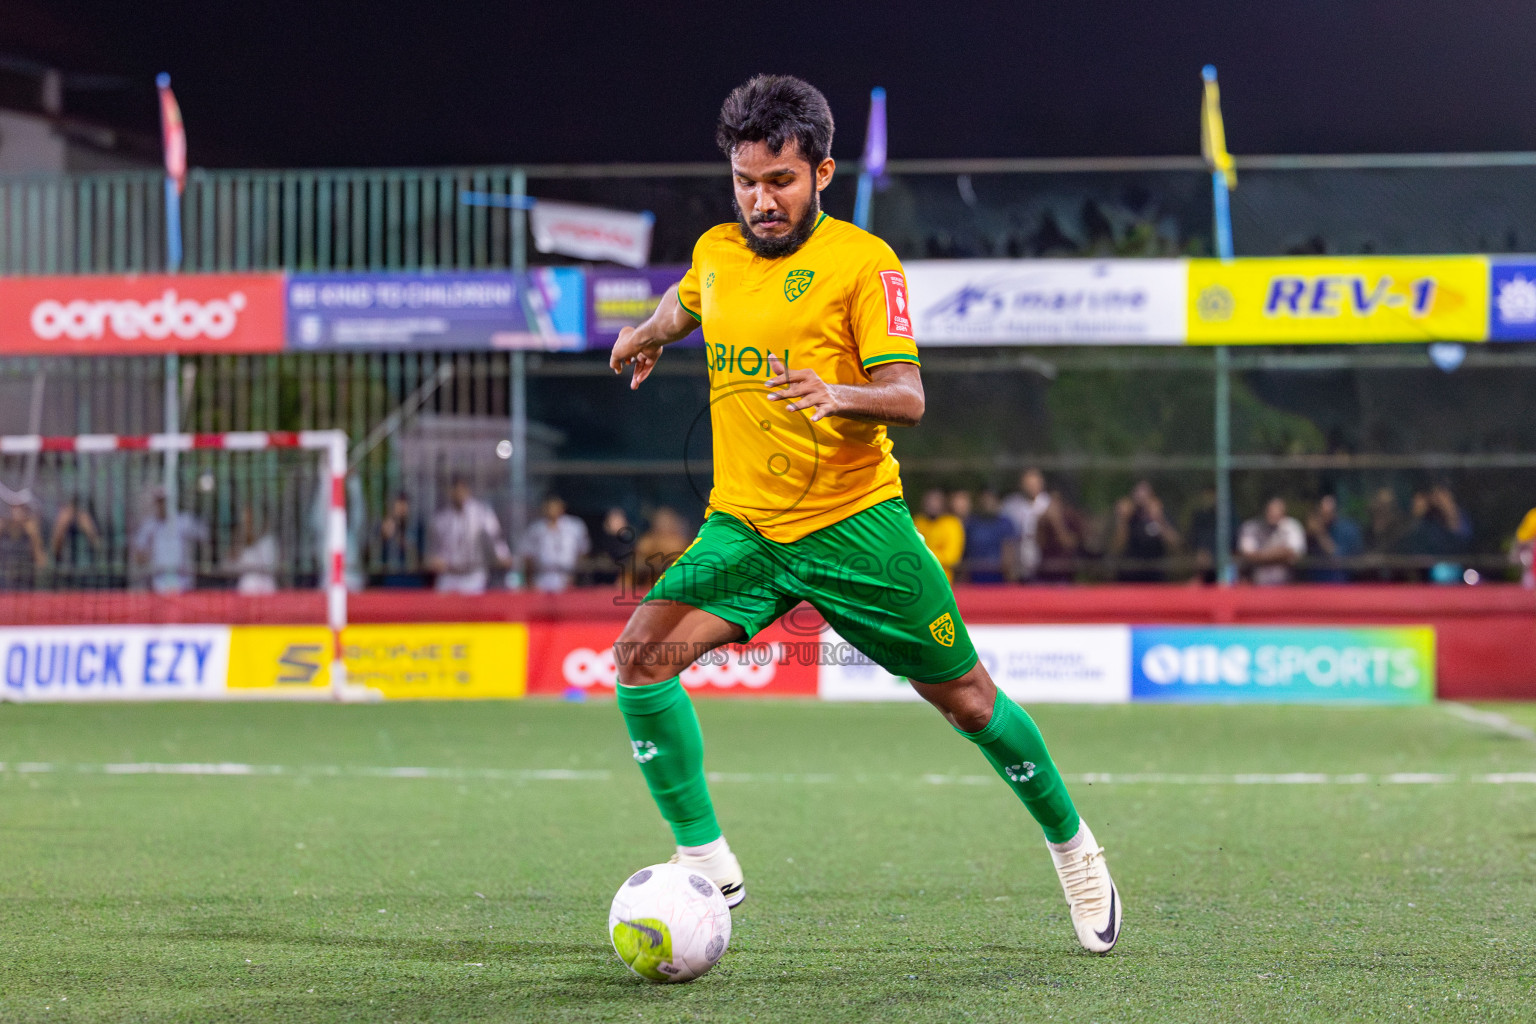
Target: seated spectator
(76, 545)
(398, 544)
(1143, 535)
(461, 532)
(1440, 529)
(1523, 551)
(990, 539)
(255, 561)
(554, 546)
(1025, 507)
(1059, 533)
(167, 547)
(941, 531)
(1332, 539)
(21, 548)
(614, 548)
(1271, 544)
(659, 547)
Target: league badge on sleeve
(898, 318)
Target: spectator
(1523, 551)
(555, 545)
(461, 532)
(614, 549)
(990, 541)
(1024, 508)
(941, 531)
(1440, 530)
(1143, 535)
(1059, 533)
(76, 544)
(659, 546)
(397, 545)
(21, 548)
(167, 546)
(1271, 544)
(1333, 540)
(255, 561)
(1386, 527)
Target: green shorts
(870, 576)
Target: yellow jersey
(945, 537)
(1527, 530)
(838, 306)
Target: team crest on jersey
(943, 630)
(796, 282)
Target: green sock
(1012, 742)
(664, 731)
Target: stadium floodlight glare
(68, 484)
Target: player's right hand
(631, 348)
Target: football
(669, 923)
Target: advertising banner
(541, 310)
(1378, 665)
(141, 315)
(622, 298)
(416, 661)
(1512, 300)
(1039, 664)
(581, 657)
(1338, 299)
(1048, 302)
(48, 663)
(592, 232)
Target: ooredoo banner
(130, 315)
(583, 658)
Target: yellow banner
(416, 661)
(1338, 299)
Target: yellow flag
(1213, 137)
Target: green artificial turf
(891, 879)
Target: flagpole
(1222, 211)
(172, 396)
(873, 164)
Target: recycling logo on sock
(1015, 772)
(645, 750)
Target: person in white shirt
(1271, 544)
(256, 557)
(167, 546)
(555, 545)
(461, 532)
(1025, 508)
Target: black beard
(774, 248)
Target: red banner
(579, 656)
(135, 315)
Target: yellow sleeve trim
(891, 357)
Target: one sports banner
(540, 310)
(1048, 302)
(1284, 664)
(1328, 299)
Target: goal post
(65, 491)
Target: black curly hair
(775, 109)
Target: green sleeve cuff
(689, 311)
(892, 357)
(650, 700)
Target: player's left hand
(804, 390)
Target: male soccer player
(811, 355)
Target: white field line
(1490, 720)
(226, 768)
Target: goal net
(107, 541)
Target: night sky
(282, 83)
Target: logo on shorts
(943, 630)
(796, 283)
(1020, 772)
(644, 750)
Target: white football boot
(720, 866)
(1090, 892)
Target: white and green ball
(669, 923)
